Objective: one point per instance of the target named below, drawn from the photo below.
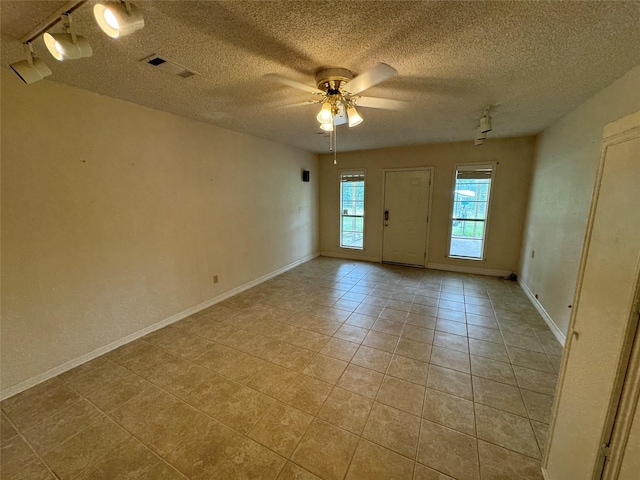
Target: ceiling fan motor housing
(329, 79)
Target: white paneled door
(405, 216)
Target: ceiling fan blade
(371, 77)
(298, 104)
(292, 83)
(384, 103)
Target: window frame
(471, 166)
(342, 173)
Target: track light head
(118, 19)
(478, 141)
(485, 120)
(485, 124)
(67, 45)
(481, 135)
(63, 47)
(32, 69)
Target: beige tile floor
(335, 369)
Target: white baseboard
(467, 269)
(543, 313)
(32, 382)
(349, 256)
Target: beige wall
(567, 155)
(116, 217)
(508, 203)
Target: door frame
(614, 133)
(621, 415)
(431, 171)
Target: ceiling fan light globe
(325, 115)
(116, 20)
(354, 117)
(327, 127)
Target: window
(470, 209)
(352, 210)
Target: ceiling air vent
(168, 66)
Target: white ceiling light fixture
(485, 120)
(67, 45)
(484, 127)
(32, 69)
(118, 19)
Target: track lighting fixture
(67, 45)
(478, 141)
(118, 19)
(32, 69)
(481, 135)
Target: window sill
(470, 259)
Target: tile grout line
(26, 442)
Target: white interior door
(603, 320)
(406, 207)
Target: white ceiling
(533, 60)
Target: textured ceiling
(533, 60)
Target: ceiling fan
(339, 91)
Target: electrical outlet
(533, 253)
(215, 279)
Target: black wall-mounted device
(305, 175)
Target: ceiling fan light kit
(339, 91)
(116, 19)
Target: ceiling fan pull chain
(335, 143)
(331, 140)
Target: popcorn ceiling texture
(534, 60)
